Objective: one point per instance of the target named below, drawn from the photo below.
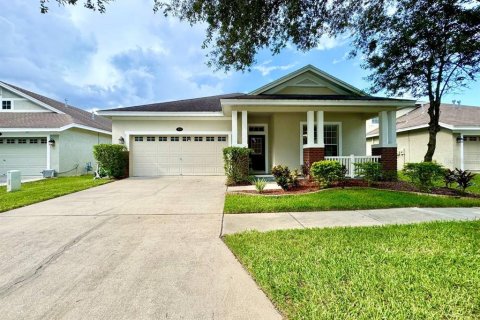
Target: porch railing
(350, 161)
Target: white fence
(350, 161)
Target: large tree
(421, 47)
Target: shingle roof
(50, 119)
(315, 97)
(204, 104)
(453, 115)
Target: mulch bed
(307, 186)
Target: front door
(257, 144)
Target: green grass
(340, 199)
(473, 189)
(423, 271)
(37, 191)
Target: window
(256, 144)
(256, 129)
(186, 139)
(331, 138)
(198, 139)
(150, 138)
(472, 138)
(222, 139)
(138, 139)
(43, 141)
(33, 141)
(375, 120)
(6, 105)
(1, 141)
(22, 141)
(10, 141)
(210, 139)
(162, 139)
(175, 139)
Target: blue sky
(132, 56)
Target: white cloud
(265, 68)
(326, 42)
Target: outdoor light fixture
(51, 143)
(460, 139)
(121, 140)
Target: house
(303, 117)
(38, 133)
(458, 142)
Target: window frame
(11, 105)
(340, 137)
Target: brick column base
(388, 160)
(311, 155)
(126, 172)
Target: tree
(423, 47)
(96, 5)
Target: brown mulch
(307, 186)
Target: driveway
(132, 249)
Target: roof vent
(66, 103)
(93, 115)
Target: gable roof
(310, 68)
(451, 116)
(62, 115)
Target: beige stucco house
(300, 118)
(458, 142)
(39, 133)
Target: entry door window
(331, 138)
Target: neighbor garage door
(29, 155)
(177, 155)
(472, 153)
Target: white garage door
(177, 155)
(29, 155)
(472, 153)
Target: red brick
(388, 159)
(311, 155)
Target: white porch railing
(350, 161)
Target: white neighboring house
(303, 117)
(38, 133)
(458, 142)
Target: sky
(130, 56)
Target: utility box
(14, 180)
(48, 173)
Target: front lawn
(36, 191)
(423, 271)
(475, 188)
(340, 199)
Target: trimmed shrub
(285, 178)
(327, 171)
(236, 163)
(424, 174)
(369, 171)
(111, 159)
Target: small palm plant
(260, 185)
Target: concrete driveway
(133, 249)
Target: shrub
(369, 171)
(463, 178)
(449, 177)
(112, 159)
(327, 171)
(236, 163)
(285, 178)
(260, 185)
(305, 168)
(423, 174)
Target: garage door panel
(30, 158)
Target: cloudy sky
(132, 56)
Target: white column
(392, 128)
(320, 137)
(48, 152)
(462, 155)
(310, 128)
(383, 128)
(234, 128)
(244, 129)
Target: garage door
(472, 153)
(29, 155)
(177, 155)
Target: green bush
(424, 174)
(327, 171)
(369, 171)
(112, 159)
(236, 163)
(285, 178)
(463, 178)
(260, 185)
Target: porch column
(320, 137)
(387, 146)
(310, 128)
(244, 129)
(462, 154)
(234, 128)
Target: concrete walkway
(132, 249)
(234, 223)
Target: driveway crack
(34, 273)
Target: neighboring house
(458, 142)
(38, 133)
(305, 116)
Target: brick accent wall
(388, 159)
(311, 155)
